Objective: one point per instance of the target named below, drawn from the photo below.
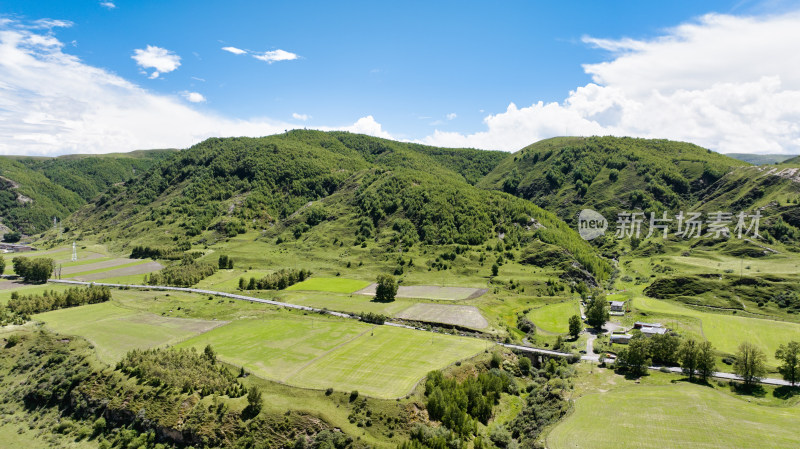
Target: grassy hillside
(775, 191)
(383, 193)
(609, 174)
(37, 189)
(29, 201)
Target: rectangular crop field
(336, 285)
(465, 316)
(320, 352)
(339, 302)
(386, 363)
(275, 348)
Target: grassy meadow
(674, 416)
(554, 318)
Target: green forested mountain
(609, 174)
(795, 160)
(396, 193)
(34, 190)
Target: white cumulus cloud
(364, 125)
(194, 97)
(302, 117)
(160, 59)
(275, 55)
(728, 83)
(451, 116)
(53, 103)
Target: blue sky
(444, 73)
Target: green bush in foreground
(33, 270)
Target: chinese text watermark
(592, 224)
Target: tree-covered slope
(772, 190)
(392, 193)
(609, 174)
(34, 190)
(90, 175)
(29, 200)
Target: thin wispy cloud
(451, 116)
(108, 5)
(160, 59)
(267, 56)
(51, 23)
(234, 50)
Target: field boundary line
(307, 364)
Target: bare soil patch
(464, 316)
(95, 266)
(147, 267)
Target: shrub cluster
(33, 270)
(275, 281)
(374, 318)
(26, 305)
(225, 262)
(186, 274)
(147, 252)
(459, 405)
(181, 369)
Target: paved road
(588, 357)
(729, 376)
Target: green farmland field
(336, 285)
(674, 416)
(115, 330)
(554, 317)
(726, 332)
(378, 361)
